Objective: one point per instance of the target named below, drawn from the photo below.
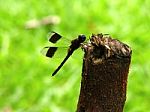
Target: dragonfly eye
(81, 38)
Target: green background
(25, 82)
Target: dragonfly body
(75, 44)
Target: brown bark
(104, 75)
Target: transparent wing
(58, 40)
(54, 52)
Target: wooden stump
(104, 75)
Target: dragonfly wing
(51, 51)
(58, 40)
(54, 52)
(54, 37)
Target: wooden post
(104, 75)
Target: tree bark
(104, 75)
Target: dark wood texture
(104, 75)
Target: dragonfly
(74, 45)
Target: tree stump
(104, 75)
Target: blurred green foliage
(25, 82)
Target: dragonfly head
(81, 38)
